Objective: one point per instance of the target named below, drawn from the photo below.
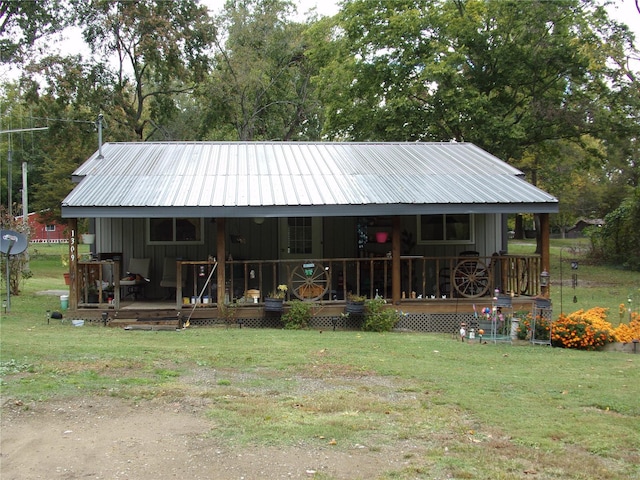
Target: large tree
(260, 88)
(505, 75)
(156, 50)
(23, 23)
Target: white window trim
(174, 242)
(470, 241)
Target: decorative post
(73, 263)
(221, 233)
(395, 261)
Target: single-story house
(420, 224)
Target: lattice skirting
(418, 322)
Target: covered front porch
(430, 293)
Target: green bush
(618, 240)
(377, 317)
(298, 315)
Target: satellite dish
(12, 243)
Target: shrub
(627, 332)
(524, 327)
(298, 315)
(377, 317)
(584, 330)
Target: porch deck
(438, 315)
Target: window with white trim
(445, 228)
(175, 231)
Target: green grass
(456, 410)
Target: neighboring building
(41, 231)
(577, 230)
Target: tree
(619, 238)
(260, 87)
(160, 51)
(22, 23)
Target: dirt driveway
(110, 438)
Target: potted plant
(64, 259)
(275, 301)
(355, 304)
(88, 238)
(92, 294)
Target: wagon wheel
(521, 267)
(471, 278)
(309, 281)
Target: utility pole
(10, 167)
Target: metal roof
(275, 179)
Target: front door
(301, 239)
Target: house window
(447, 228)
(300, 239)
(50, 228)
(175, 231)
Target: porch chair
(137, 277)
(170, 276)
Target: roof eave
(304, 210)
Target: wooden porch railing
(332, 279)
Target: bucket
(64, 302)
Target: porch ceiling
(256, 179)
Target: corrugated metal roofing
(245, 179)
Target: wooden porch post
(73, 263)
(221, 235)
(395, 261)
(545, 262)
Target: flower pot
(356, 308)
(382, 237)
(273, 304)
(67, 278)
(88, 238)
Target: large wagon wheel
(471, 278)
(309, 281)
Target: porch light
(258, 220)
(544, 278)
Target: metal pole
(12, 240)
(25, 196)
(100, 117)
(561, 311)
(10, 180)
